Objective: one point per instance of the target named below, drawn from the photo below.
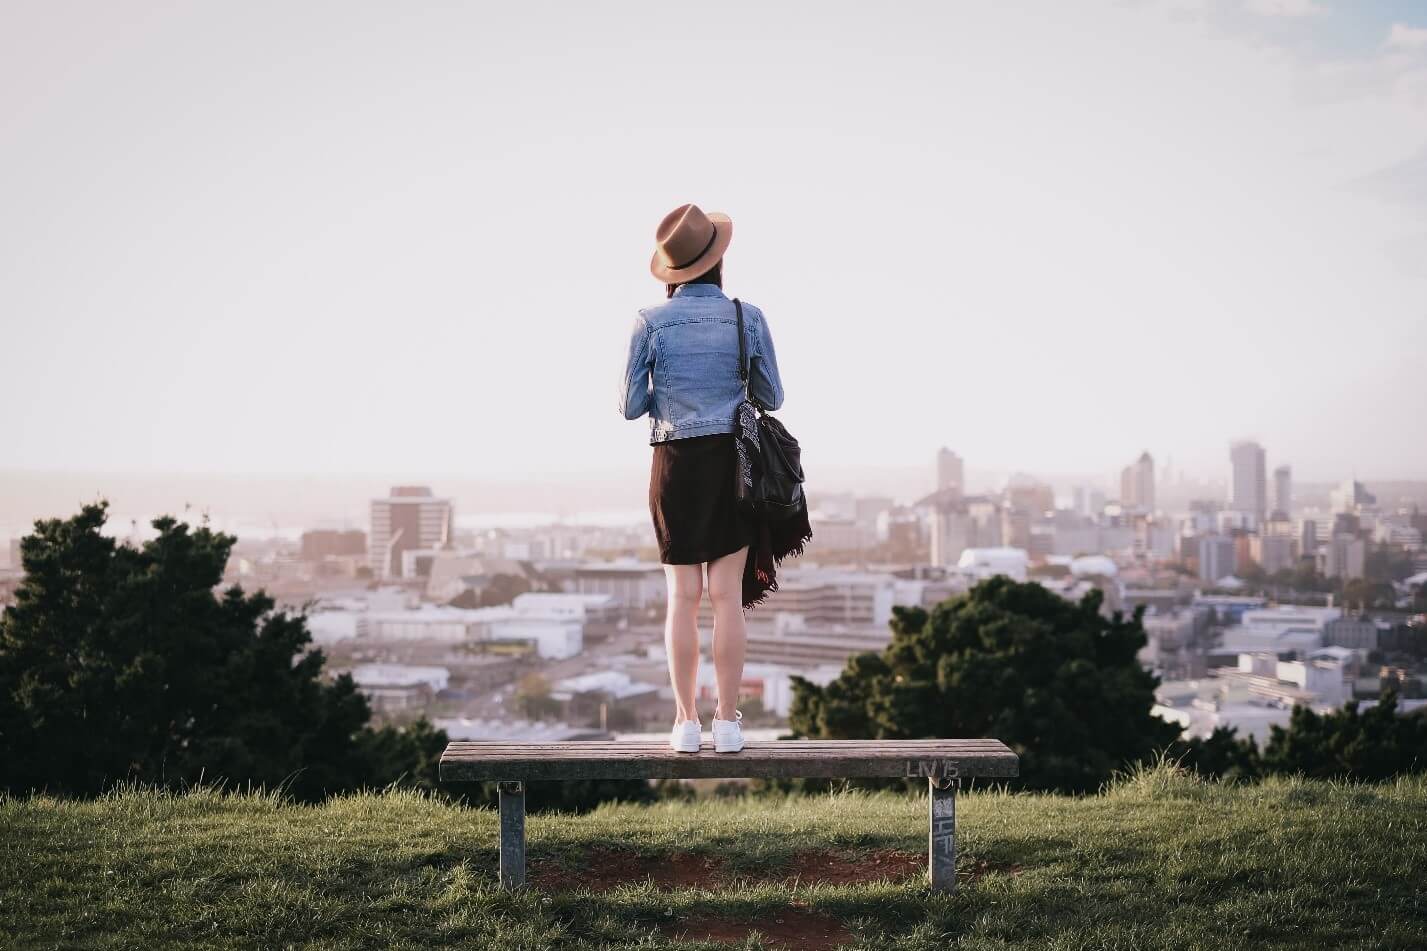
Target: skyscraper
(1216, 557)
(1250, 481)
(410, 518)
(1283, 491)
(1137, 484)
(949, 471)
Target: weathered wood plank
(474, 761)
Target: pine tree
(122, 663)
(1056, 680)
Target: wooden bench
(943, 763)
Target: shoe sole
(728, 749)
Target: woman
(683, 370)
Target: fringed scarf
(773, 540)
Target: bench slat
(466, 761)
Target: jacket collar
(699, 290)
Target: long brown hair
(713, 275)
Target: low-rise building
(392, 687)
(1277, 630)
(790, 641)
(637, 586)
(1258, 693)
(1358, 633)
(983, 563)
(553, 634)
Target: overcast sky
(377, 237)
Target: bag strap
(742, 348)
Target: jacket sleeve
(764, 383)
(634, 397)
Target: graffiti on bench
(932, 769)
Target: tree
(1366, 594)
(492, 592)
(1375, 744)
(1221, 754)
(1055, 680)
(121, 663)
(533, 700)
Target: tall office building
(1283, 491)
(1087, 500)
(950, 471)
(1217, 555)
(1250, 481)
(410, 518)
(1137, 484)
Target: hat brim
(723, 235)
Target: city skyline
(275, 505)
(256, 269)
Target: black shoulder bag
(769, 480)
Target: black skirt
(691, 499)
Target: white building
(982, 563)
(399, 686)
(554, 632)
(587, 608)
(637, 585)
(771, 683)
(829, 596)
(427, 622)
(1327, 673)
(330, 627)
(1089, 566)
(1259, 693)
(1279, 629)
(552, 637)
(616, 684)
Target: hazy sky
(379, 237)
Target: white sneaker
(686, 736)
(728, 734)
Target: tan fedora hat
(688, 243)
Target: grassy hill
(1157, 861)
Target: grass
(1160, 860)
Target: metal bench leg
(512, 834)
(941, 846)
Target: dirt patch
(607, 869)
(786, 928)
(825, 867)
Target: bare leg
(730, 637)
(681, 635)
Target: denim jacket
(682, 367)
